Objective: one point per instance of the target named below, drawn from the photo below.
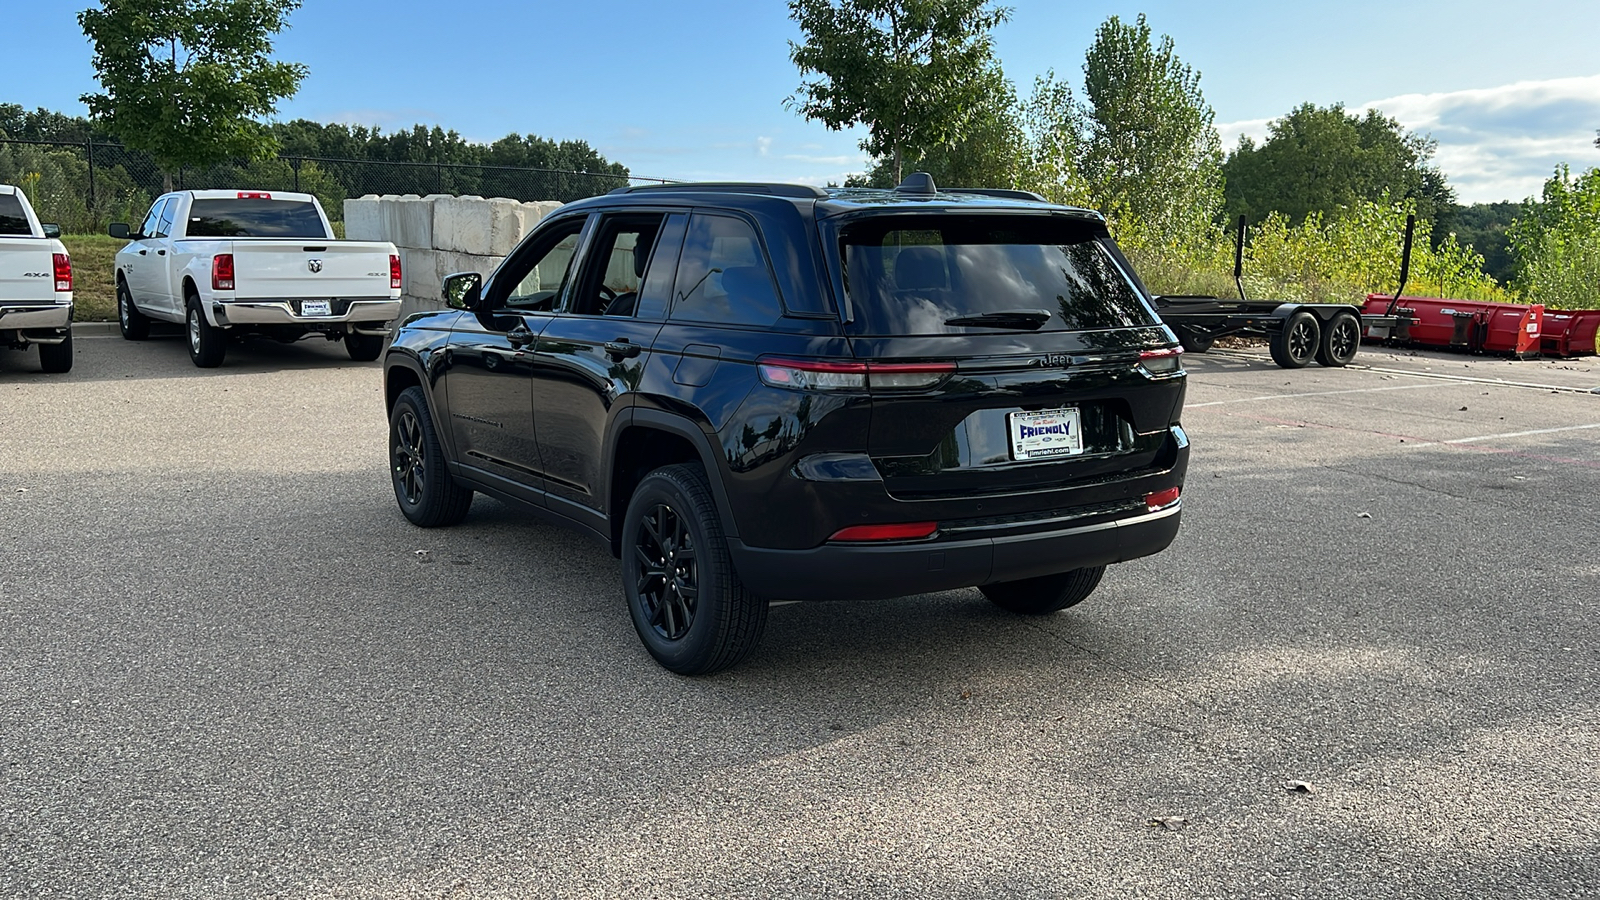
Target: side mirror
(119, 230)
(463, 290)
(51, 231)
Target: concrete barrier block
(421, 271)
(449, 263)
(461, 224)
(409, 221)
(363, 219)
(508, 223)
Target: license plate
(1050, 432)
(316, 307)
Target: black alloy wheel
(428, 496)
(1297, 342)
(135, 325)
(691, 611)
(1340, 341)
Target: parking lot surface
(1368, 667)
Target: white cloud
(1497, 143)
(763, 144)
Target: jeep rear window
(12, 219)
(247, 217)
(910, 274)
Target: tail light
(254, 195)
(394, 273)
(222, 272)
(822, 375)
(1162, 499)
(904, 531)
(63, 267)
(1161, 362)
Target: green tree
(1556, 242)
(991, 152)
(914, 72)
(188, 80)
(1323, 159)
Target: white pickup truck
(227, 263)
(35, 284)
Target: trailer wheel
(1297, 341)
(1193, 341)
(1340, 341)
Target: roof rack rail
(1003, 193)
(802, 191)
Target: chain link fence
(84, 186)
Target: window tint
(247, 217)
(723, 275)
(164, 227)
(541, 275)
(153, 220)
(912, 274)
(12, 220)
(617, 265)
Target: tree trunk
(166, 182)
(899, 176)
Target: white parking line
(1514, 434)
(1403, 387)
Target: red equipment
(1474, 326)
(1571, 332)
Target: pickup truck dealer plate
(1050, 432)
(316, 307)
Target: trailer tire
(1192, 341)
(1340, 341)
(1297, 342)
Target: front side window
(617, 264)
(152, 222)
(255, 217)
(723, 275)
(956, 274)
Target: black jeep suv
(761, 391)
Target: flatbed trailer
(1296, 333)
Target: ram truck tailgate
(307, 269)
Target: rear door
(1033, 335)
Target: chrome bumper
(52, 317)
(368, 316)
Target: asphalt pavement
(1368, 667)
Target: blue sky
(695, 90)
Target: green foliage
(187, 80)
(992, 151)
(56, 180)
(1320, 160)
(1556, 243)
(1482, 226)
(915, 72)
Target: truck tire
(1193, 341)
(691, 610)
(1340, 341)
(135, 325)
(1294, 345)
(1045, 594)
(428, 496)
(207, 344)
(363, 347)
(56, 357)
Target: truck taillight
(222, 272)
(254, 195)
(63, 266)
(394, 273)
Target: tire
(1045, 594)
(428, 496)
(1340, 341)
(56, 358)
(363, 347)
(135, 325)
(687, 603)
(1194, 342)
(1296, 343)
(207, 344)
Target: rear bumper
(362, 315)
(35, 315)
(868, 572)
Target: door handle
(143, 252)
(161, 253)
(622, 348)
(520, 336)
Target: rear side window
(723, 276)
(914, 274)
(247, 217)
(12, 219)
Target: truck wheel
(207, 343)
(1045, 594)
(56, 357)
(1340, 341)
(1194, 342)
(687, 603)
(135, 325)
(427, 495)
(1296, 343)
(363, 347)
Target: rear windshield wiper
(1004, 318)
